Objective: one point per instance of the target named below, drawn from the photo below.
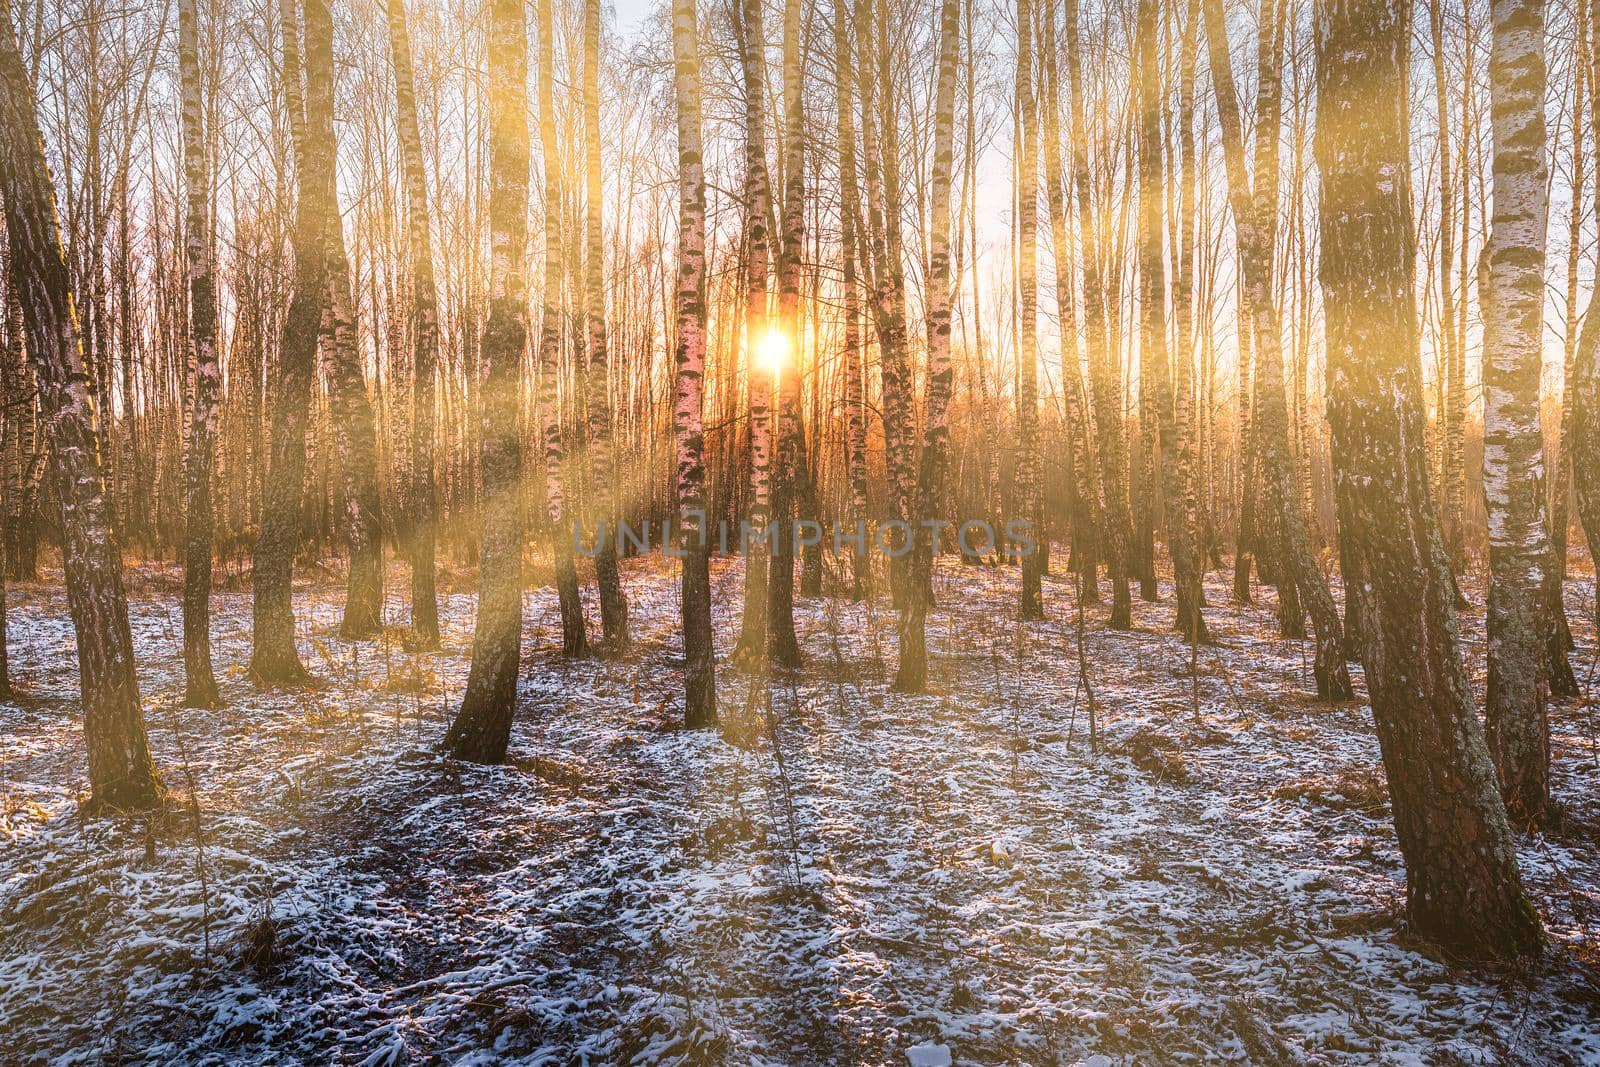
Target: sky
(631, 15)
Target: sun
(772, 351)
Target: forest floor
(855, 876)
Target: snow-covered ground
(853, 876)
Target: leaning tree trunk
(699, 657)
(275, 660)
(1463, 888)
(425, 336)
(482, 728)
(200, 684)
(613, 601)
(912, 674)
(783, 648)
(751, 651)
(1254, 215)
(574, 633)
(121, 774)
(1513, 445)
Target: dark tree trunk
(1463, 890)
(121, 774)
(275, 660)
(482, 728)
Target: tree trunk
(613, 601)
(1453, 414)
(482, 728)
(26, 458)
(855, 349)
(1104, 382)
(1157, 419)
(1031, 605)
(912, 675)
(879, 144)
(425, 336)
(700, 680)
(275, 659)
(1088, 488)
(1463, 890)
(1513, 444)
(1255, 212)
(350, 407)
(1563, 682)
(783, 648)
(200, 684)
(1585, 428)
(762, 351)
(121, 774)
(1182, 489)
(574, 632)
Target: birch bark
(1463, 887)
(1513, 446)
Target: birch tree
(1105, 384)
(1254, 202)
(1513, 446)
(852, 249)
(200, 684)
(1182, 489)
(1463, 887)
(574, 630)
(700, 699)
(912, 674)
(121, 774)
(274, 659)
(1083, 466)
(424, 303)
(1584, 428)
(783, 648)
(613, 600)
(1031, 605)
(482, 728)
(762, 349)
(349, 405)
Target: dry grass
(1360, 789)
